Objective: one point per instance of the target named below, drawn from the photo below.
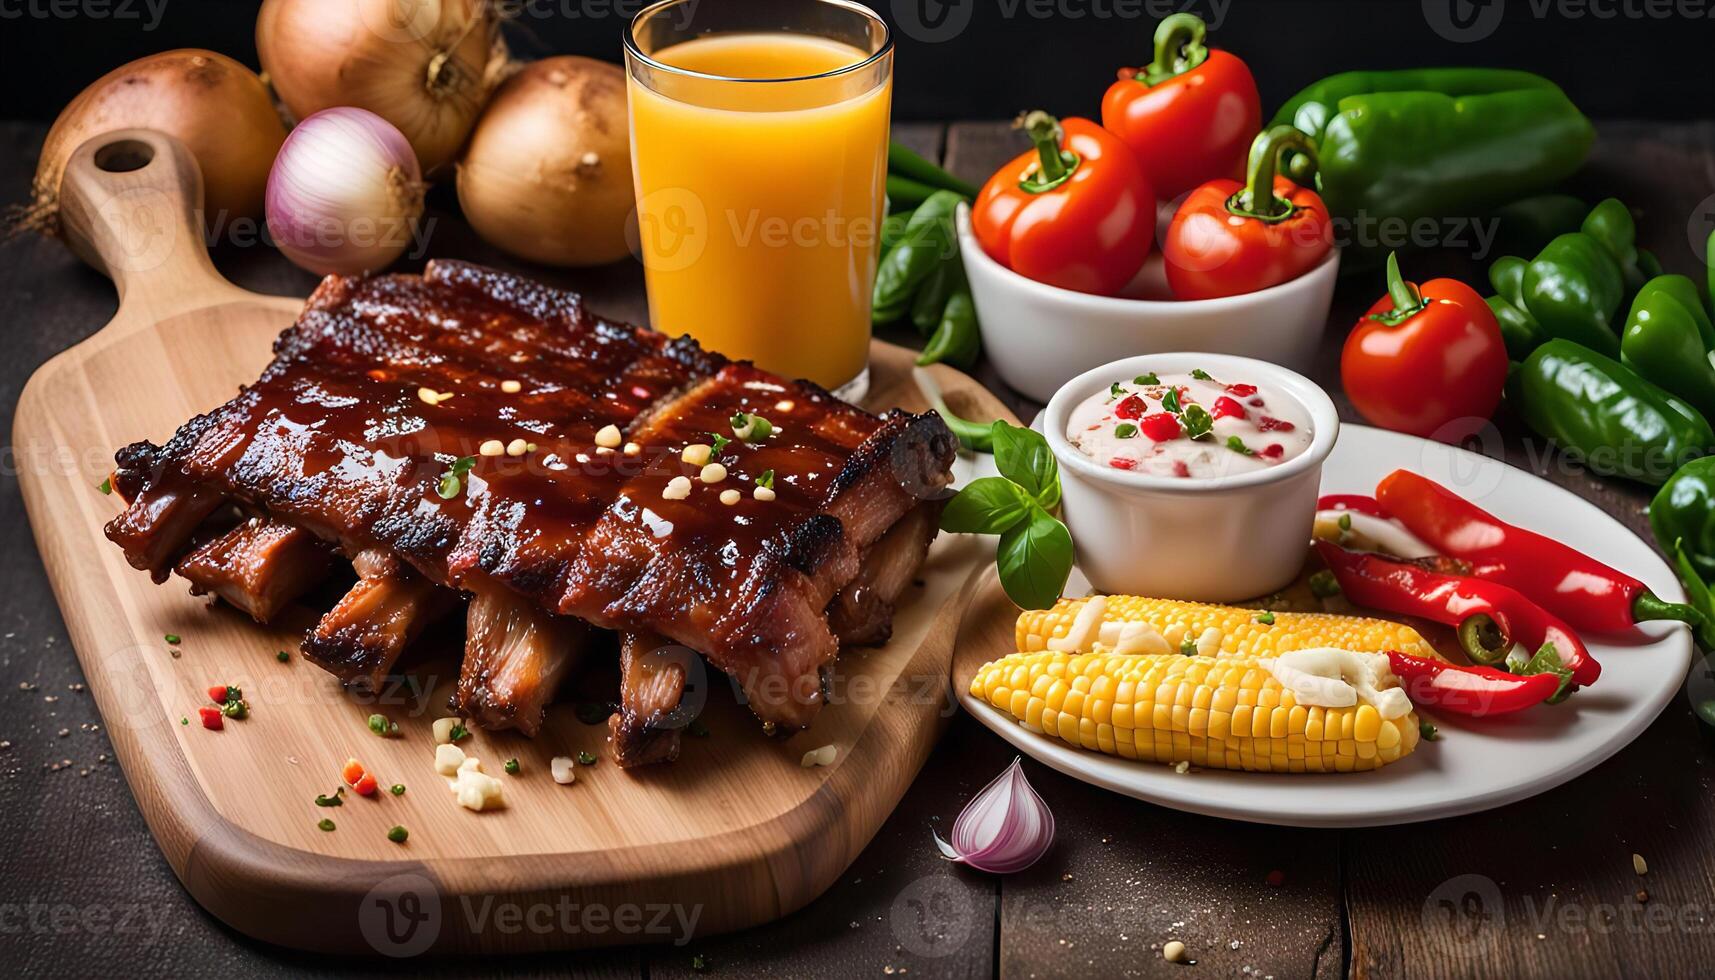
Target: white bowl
(1040, 336)
(1220, 539)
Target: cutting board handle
(131, 206)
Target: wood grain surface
(1542, 888)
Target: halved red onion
(1005, 828)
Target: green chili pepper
(1610, 223)
(903, 192)
(1574, 289)
(931, 299)
(1518, 328)
(956, 340)
(1524, 227)
(1600, 409)
(1435, 142)
(892, 230)
(905, 162)
(927, 241)
(1684, 512)
(1668, 338)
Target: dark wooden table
(1541, 888)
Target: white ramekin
(1040, 336)
(1224, 539)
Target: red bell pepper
(1586, 593)
(1476, 691)
(1076, 212)
(1426, 360)
(1488, 616)
(1354, 502)
(1230, 238)
(1188, 115)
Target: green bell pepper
(1519, 329)
(1435, 142)
(1668, 339)
(1684, 511)
(1603, 411)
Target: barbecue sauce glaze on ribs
(383, 383)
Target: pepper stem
(1407, 301)
(1483, 640)
(1179, 48)
(1257, 199)
(1647, 607)
(1056, 165)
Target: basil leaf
(1034, 560)
(990, 505)
(1170, 401)
(1237, 445)
(1200, 374)
(1146, 379)
(1022, 456)
(1198, 421)
(1125, 430)
(1547, 661)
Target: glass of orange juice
(759, 150)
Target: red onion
(1005, 828)
(345, 193)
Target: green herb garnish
(1035, 552)
(184, 721)
(398, 834)
(699, 964)
(766, 479)
(1200, 374)
(511, 767)
(337, 799)
(282, 656)
(1345, 522)
(1547, 661)
(1198, 421)
(1265, 617)
(172, 638)
(452, 481)
(1324, 585)
(1170, 401)
(382, 727)
(236, 709)
(717, 442)
(397, 789)
(751, 428)
(1125, 430)
(586, 759)
(1188, 647)
(325, 824)
(1237, 445)
(1115, 391)
(457, 733)
(1429, 732)
(105, 486)
(1146, 379)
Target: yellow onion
(547, 175)
(345, 193)
(425, 66)
(217, 107)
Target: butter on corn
(1083, 625)
(1216, 713)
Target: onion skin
(547, 176)
(345, 193)
(425, 66)
(214, 105)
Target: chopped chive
(1345, 522)
(717, 443)
(766, 479)
(1237, 445)
(282, 656)
(398, 834)
(511, 767)
(1324, 585)
(1188, 647)
(337, 799)
(453, 479)
(325, 824)
(1265, 617)
(1200, 374)
(172, 638)
(184, 721)
(751, 428)
(105, 486)
(457, 732)
(382, 727)
(586, 759)
(1125, 430)
(699, 963)
(1146, 379)
(397, 789)
(1429, 732)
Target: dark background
(1633, 58)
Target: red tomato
(1426, 361)
(1088, 231)
(1212, 252)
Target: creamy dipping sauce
(1190, 426)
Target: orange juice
(759, 202)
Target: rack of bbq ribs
(470, 440)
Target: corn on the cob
(1217, 713)
(1216, 630)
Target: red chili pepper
(1476, 691)
(1230, 238)
(1585, 592)
(217, 694)
(1428, 361)
(1130, 407)
(1489, 616)
(365, 785)
(1243, 391)
(1077, 212)
(1121, 463)
(211, 718)
(1161, 427)
(1189, 114)
(1226, 407)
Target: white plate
(1476, 764)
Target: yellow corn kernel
(1243, 632)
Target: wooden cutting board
(734, 834)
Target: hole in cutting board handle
(124, 156)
